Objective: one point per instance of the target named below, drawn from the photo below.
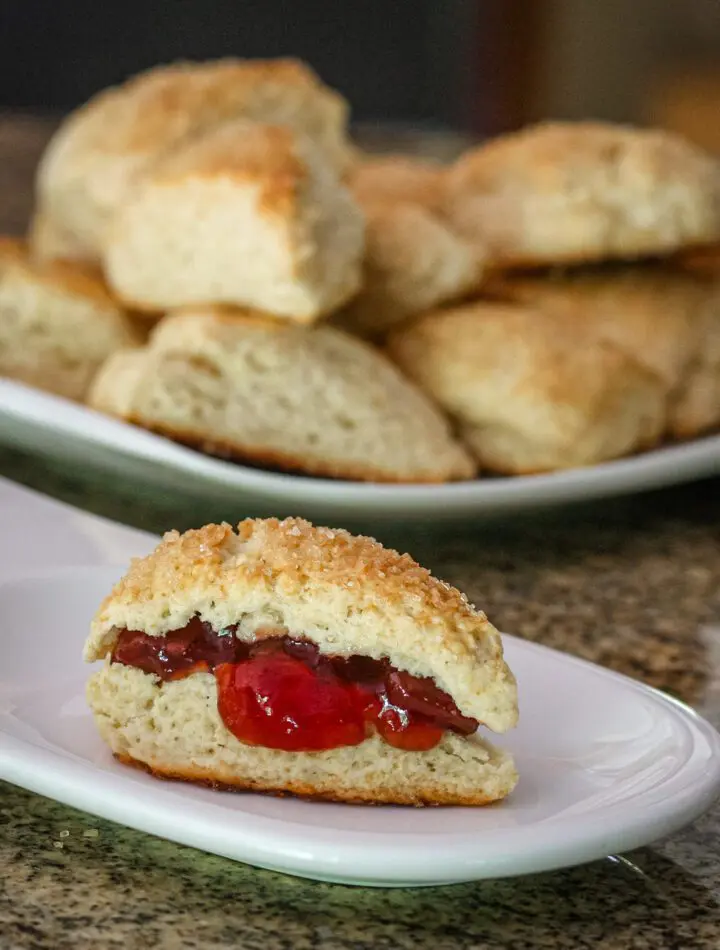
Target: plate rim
(656, 468)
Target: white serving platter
(48, 425)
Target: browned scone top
(100, 151)
(347, 593)
(241, 150)
(249, 214)
(163, 105)
(585, 191)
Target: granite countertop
(631, 583)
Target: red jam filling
(282, 693)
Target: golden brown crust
(359, 796)
(687, 432)
(297, 552)
(510, 261)
(546, 156)
(101, 152)
(584, 191)
(77, 278)
(694, 255)
(160, 103)
(242, 151)
(284, 461)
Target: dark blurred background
(473, 66)
(414, 61)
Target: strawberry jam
(278, 701)
(282, 693)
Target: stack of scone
(384, 319)
(591, 339)
(214, 198)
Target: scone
(652, 313)
(695, 406)
(310, 400)
(413, 262)
(250, 215)
(588, 191)
(531, 390)
(103, 148)
(384, 179)
(58, 323)
(284, 658)
(665, 318)
(47, 241)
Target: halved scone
(314, 400)
(292, 659)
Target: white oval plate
(37, 421)
(606, 764)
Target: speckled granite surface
(633, 584)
